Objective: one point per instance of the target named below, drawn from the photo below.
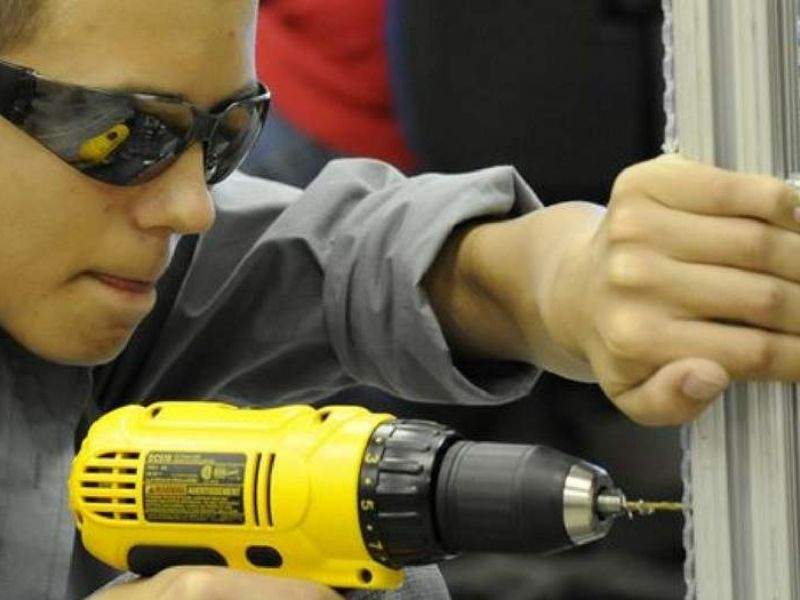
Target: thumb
(676, 393)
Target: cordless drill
(337, 495)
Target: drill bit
(643, 508)
(613, 503)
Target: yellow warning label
(194, 487)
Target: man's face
(59, 228)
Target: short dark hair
(19, 21)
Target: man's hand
(215, 583)
(689, 279)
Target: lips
(129, 285)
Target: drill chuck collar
(426, 494)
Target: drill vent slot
(255, 489)
(108, 485)
(270, 467)
(265, 463)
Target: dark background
(568, 92)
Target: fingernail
(702, 389)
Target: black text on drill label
(194, 487)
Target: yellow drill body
(338, 495)
(267, 490)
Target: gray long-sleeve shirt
(289, 297)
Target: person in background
(329, 59)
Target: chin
(82, 352)
(70, 332)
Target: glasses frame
(205, 122)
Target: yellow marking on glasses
(98, 148)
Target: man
(438, 288)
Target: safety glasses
(128, 138)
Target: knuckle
(758, 246)
(761, 353)
(627, 179)
(768, 303)
(774, 193)
(627, 269)
(622, 333)
(624, 224)
(193, 583)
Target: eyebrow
(132, 88)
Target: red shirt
(326, 63)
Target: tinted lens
(118, 139)
(233, 138)
(140, 148)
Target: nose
(178, 199)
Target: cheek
(38, 258)
(52, 223)
(49, 221)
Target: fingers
(693, 187)
(743, 352)
(726, 294)
(222, 583)
(729, 241)
(703, 281)
(677, 393)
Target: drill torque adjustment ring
(396, 492)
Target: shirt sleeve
(293, 295)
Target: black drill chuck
(425, 494)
